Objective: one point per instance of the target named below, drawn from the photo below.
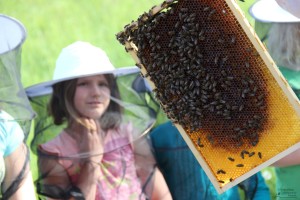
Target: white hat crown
(80, 59)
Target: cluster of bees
(205, 76)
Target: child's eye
(103, 84)
(82, 84)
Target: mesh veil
(137, 118)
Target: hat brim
(45, 88)
(269, 11)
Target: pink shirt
(118, 178)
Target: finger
(93, 126)
(87, 125)
(98, 127)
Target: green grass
(53, 24)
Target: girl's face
(92, 96)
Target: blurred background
(52, 25)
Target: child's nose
(100, 91)
(95, 89)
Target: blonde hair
(284, 44)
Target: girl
(97, 155)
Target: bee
(210, 139)
(221, 171)
(260, 97)
(138, 65)
(233, 40)
(231, 159)
(254, 142)
(216, 60)
(251, 154)
(206, 8)
(241, 107)
(211, 13)
(221, 40)
(247, 64)
(199, 143)
(183, 9)
(243, 153)
(128, 49)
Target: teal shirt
(11, 136)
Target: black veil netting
(16, 113)
(139, 114)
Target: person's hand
(292, 6)
(90, 140)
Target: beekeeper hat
(77, 60)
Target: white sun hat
(271, 11)
(77, 60)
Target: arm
(160, 188)
(255, 187)
(150, 175)
(55, 181)
(262, 190)
(87, 182)
(289, 160)
(90, 141)
(14, 164)
(55, 173)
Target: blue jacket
(184, 175)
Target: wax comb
(218, 85)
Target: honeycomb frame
(233, 153)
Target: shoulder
(58, 144)
(165, 128)
(11, 134)
(126, 127)
(9, 127)
(166, 135)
